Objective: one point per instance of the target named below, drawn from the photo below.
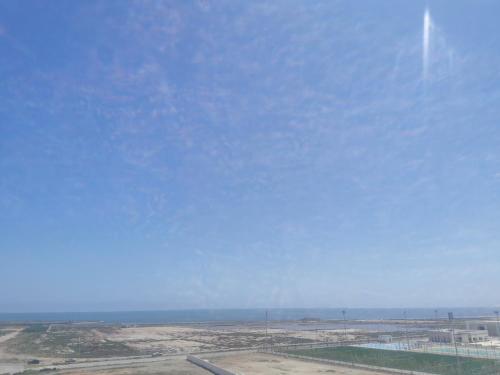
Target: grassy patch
(104, 348)
(66, 342)
(36, 328)
(413, 361)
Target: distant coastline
(246, 315)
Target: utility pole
(345, 326)
(435, 315)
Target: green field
(413, 361)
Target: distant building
(385, 338)
(493, 327)
(459, 335)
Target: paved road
(124, 362)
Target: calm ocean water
(219, 315)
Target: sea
(247, 315)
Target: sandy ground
(181, 339)
(8, 364)
(260, 363)
(173, 339)
(12, 333)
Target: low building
(492, 326)
(385, 338)
(458, 335)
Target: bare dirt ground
(7, 363)
(260, 363)
(91, 345)
(183, 339)
(58, 342)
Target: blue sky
(202, 154)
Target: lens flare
(426, 43)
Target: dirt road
(6, 365)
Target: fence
(415, 357)
(351, 364)
(462, 350)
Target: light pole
(406, 331)
(496, 313)
(450, 318)
(345, 326)
(267, 343)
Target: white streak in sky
(426, 43)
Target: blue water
(219, 315)
(386, 346)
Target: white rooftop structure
(458, 335)
(492, 326)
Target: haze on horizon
(169, 154)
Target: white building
(492, 326)
(458, 335)
(385, 338)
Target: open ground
(92, 347)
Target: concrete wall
(208, 366)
